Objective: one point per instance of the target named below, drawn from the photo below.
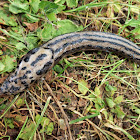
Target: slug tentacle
(39, 60)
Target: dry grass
(94, 95)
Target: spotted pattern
(23, 68)
(38, 61)
(26, 59)
(40, 57)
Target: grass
(94, 94)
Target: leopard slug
(38, 61)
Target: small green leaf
(50, 128)
(25, 135)
(45, 121)
(110, 88)
(105, 114)
(83, 86)
(9, 122)
(11, 125)
(136, 109)
(6, 18)
(137, 36)
(18, 7)
(37, 117)
(2, 66)
(20, 102)
(119, 112)
(47, 126)
(136, 30)
(118, 99)
(98, 107)
(133, 22)
(32, 41)
(117, 8)
(68, 63)
(59, 1)
(50, 7)
(46, 33)
(1, 52)
(31, 18)
(66, 26)
(135, 9)
(17, 30)
(19, 118)
(72, 3)
(97, 91)
(20, 46)
(13, 35)
(35, 5)
(51, 16)
(2, 106)
(58, 68)
(110, 117)
(99, 103)
(9, 63)
(110, 102)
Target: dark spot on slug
(16, 73)
(39, 72)
(23, 82)
(1, 89)
(13, 88)
(28, 71)
(20, 62)
(59, 40)
(32, 81)
(68, 44)
(23, 68)
(31, 78)
(12, 76)
(24, 77)
(34, 50)
(15, 81)
(40, 57)
(6, 84)
(26, 59)
(44, 69)
(26, 86)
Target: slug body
(39, 60)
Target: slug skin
(39, 61)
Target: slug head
(31, 67)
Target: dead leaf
(62, 124)
(82, 102)
(31, 26)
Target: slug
(40, 60)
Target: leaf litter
(84, 106)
